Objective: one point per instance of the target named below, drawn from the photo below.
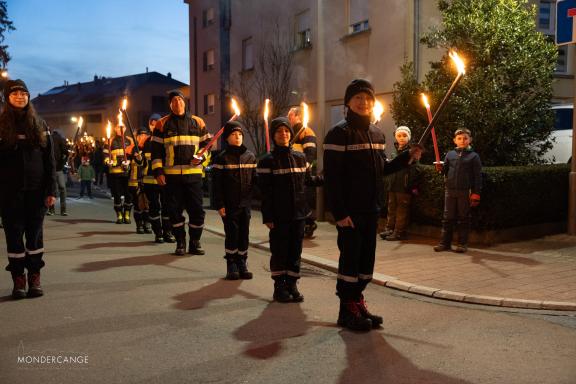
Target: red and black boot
(34, 287)
(350, 317)
(375, 319)
(19, 290)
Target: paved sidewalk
(535, 274)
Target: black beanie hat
(230, 127)
(277, 123)
(13, 86)
(175, 93)
(357, 86)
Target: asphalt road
(122, 310)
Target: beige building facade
(334, 41)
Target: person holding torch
(354, 167)
(177, 138)
(118, 160)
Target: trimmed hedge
(511, 197)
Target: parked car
(561, 152)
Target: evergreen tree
(5, 26)
(504, 97)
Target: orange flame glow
(108, 130)
(425, 100)
(120, 121)
(377, 111)
(80, 122)
(458, 62)
(235, 107)
(266, 109)
(305, 115)
(124, 103)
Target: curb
(436, 293)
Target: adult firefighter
(118, 161)
(176, 139)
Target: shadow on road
(126, 244)
(82, 221)
(371, 360)
(161, 260)
(221, 289)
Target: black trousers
(185, 195)
(237, 229)
(357, 254)
(139, 214)
(23, 217)
(118, 184)
(286, 247)
(456, 214)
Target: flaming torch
(198, 156)
(461, 71)
(108, 134)
(377, 112)
(80, 122)
(266, 129)
(123, 111)
(437, 163)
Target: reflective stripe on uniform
(17, 255)
(348, 279)
(233, 166)
(285, 171)
(34, 251)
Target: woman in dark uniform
(27, 181)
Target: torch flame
(108, 130)
(235, 107)
(458, 61)
(120, 121)
(378, 110)
(80, 122)
(266, 109)
(124, 103)
(425, 100)
(305, 115)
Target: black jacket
(60, 150)
(463, 170)
(354, 166)
(282, 177)
(25, 166)
(233, 175)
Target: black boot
(231, 269)
(19, 290)
(445, 243)
(243, 268)
(291, 282)
(351, 318)
(194, 248)
(180, 236)
(157, 229)
(281, 293)
(376, 320)
(147, 227)
(139, 227)
(463, 230)
(34, 287)
(169, 237)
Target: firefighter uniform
(282, 177)
(175, 141)
(354, 167)
(233, 175)
(118, 159)
(157, 208)
(135, 179)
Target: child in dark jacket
(463, 184)
(234, 172)
(282, 177)
(402, 185)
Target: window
(209, 103)
(207, 17)
(562, 61)
(247, 54)
(208, 60)
(303, 33)
(358, 16)
(545, 20)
